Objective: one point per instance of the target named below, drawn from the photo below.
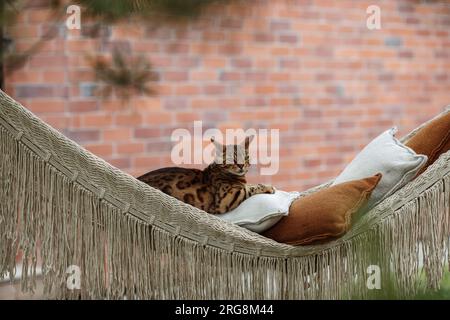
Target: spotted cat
(218, 188)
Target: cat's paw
(267, 189)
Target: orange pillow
(432, 140)
(324, 215)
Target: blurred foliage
(170, 10)
(123, 75)
(111, 11)
(126, 75)
(442, 294)
(388, 289)
(10, 10)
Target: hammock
(65, 207)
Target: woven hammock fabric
(64, 205)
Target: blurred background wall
(310, 68)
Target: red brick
(188, 62)
(158, 118)
(119, 134)
(175, 76)
(280, 76)
(146, 46)
(204, 103)
(101, 150)
(83, 106)
(182, 117)
(289, 38)
(215, 116)
(83, 135)
(97, 120)
(187, 90)
(47, 61)
(203, 48)
(214, 89)
(265, 89)
(289, 63)
(260, 115)
(281, 51)
(256, 102)
(112, 105)
(309, 163)
(112, 45)
(230, 76)
(229, 103)
(264, 37)
(39, 15)
(150, 162)
(280, 25)
(130, 148)
(213, 35)
(214, 62)
(241, 63)
(175, 103)
(54, 76)
(146, 104)
(40, 91)
(265, 63)
(163, 147)
(159, 62)
(255, 76)
(406, 54)
(121, 163)
(146, 132)
(134, 119)
(281, 102)
(25, 77)
(203, 75)
(46, 106)
(127, 31)
(82, 45)
(177, 48)
(231, 23)
(24, 31)
(81, 75)
(229, 49)
(57, 121)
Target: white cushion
(386, 155)
(261, 211)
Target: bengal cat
(218, 188)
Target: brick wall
(311, 69)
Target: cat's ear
(248, 140)
(219, 147)
(220, 151)
(216, 144)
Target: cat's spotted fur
(219, 188)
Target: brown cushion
(324, 215)
(432, 140)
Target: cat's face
(233, 158)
